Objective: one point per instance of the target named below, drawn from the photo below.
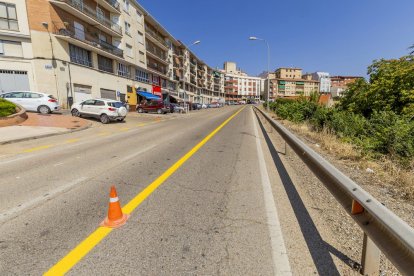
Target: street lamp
(268, 67)
(185, 93)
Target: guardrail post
(370, 257)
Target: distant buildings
(238, 85)
(340, 83)
(288, 82)
(324, 80)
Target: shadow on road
(319, 249)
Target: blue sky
(337, 36)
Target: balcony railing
(156, 36)
(157, 68)
(114, 4)
(81, 35)
(91, 12)
(156, 53)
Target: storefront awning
(148, 96)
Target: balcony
(161, 57)
(89, 15)
(155, 37)
(154, 67)
(72, 35)
(110, 5)
(231, 81)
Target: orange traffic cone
(115, 216)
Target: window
(33, 95)
(128, 50)
(139, 17)
(156, 80)
(99, 103)
(141, 57)
(80, 56)
(105, 64)
(141, 76)
(8, 17)
(126, 6)
(127, 28)
(140, 37)
(123, 70)
(11, 48)
(102, 38)
(100, 14)
(89, 102)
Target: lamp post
(185, 93)
(268, 67)
(54, 62)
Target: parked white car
(105, 110)
(33, 101)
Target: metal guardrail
(382, 228)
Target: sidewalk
(38, 126)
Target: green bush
(390, 133)
(6, 108)
(321, 118)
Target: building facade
(324, 81)
(15, 47)
(80, 49)
(238, 86)
(339, 84)
(288, 82)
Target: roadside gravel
(328, 215)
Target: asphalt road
(214, 215)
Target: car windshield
(115, 104)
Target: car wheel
(121, 119)
(140, 110)
(75, 113)
(104, 119)
(159, 111)
(43, 109)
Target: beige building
(238, 86)
(15, 47)
(80, 49)
(288, 82)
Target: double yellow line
(81, 250)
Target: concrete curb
(45, 135)
(14, 119)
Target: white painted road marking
(281, 264)
(14, 211)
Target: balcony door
(79, 31)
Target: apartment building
(339, 84)
(238, 85)
(324, 81)
(80, 49)
(15, 47)
(288, 82)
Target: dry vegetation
(399, 180)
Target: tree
(390, 88)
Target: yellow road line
(104, 134)
(37, 148)
(124, 129)
(141, 125)
(80, 251)
(70, 141)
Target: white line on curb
(281, 264)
